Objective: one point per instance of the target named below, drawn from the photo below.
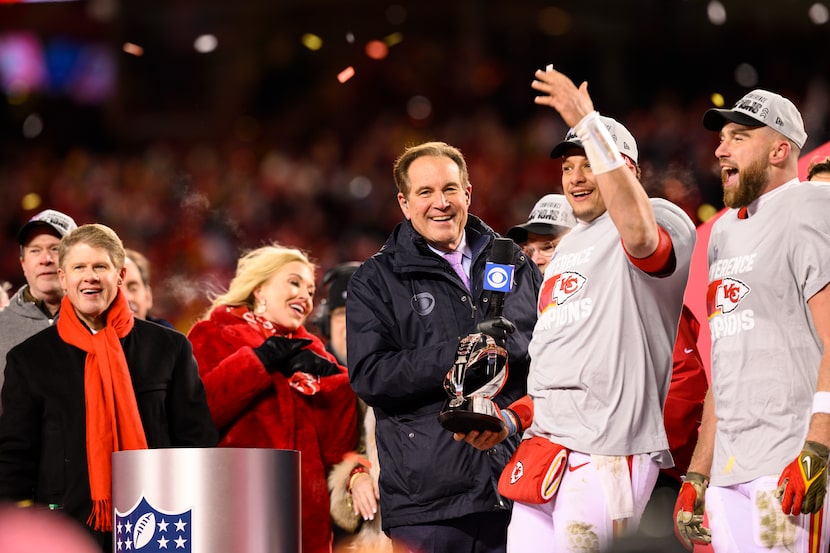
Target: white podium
(206, 500)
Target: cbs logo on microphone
(498, 277)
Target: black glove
(498, 327)
(276, 351)
(309, 362)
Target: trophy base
(465, 421)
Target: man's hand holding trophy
(480, 369)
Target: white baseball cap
(757, 108)
(551, 215)
(622, 138)
(57, 222)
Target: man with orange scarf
(99, 381)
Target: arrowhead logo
(518, 472)
(560, 288)
(725, 295)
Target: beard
(751, 181)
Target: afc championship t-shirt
(601, 353)
(765, 352)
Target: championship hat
(757, 108)
(551, 215)
(58, 222)
(622, 138)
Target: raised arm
(624, 197)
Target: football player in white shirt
(601, 352)
(763, 444)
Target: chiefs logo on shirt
(724, 296)
(559, 289)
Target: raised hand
(559, 92)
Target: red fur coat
(252, 408)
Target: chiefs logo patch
(724, 296)
(518, 472)
(559, 289)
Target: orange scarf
(112, 419)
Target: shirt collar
(755, 206)
(463, 247)
(39, 303)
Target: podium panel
(206, 500)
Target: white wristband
(599, 146)
(821, 402)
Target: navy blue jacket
(406, 310)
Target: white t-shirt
(765, 352)
(601, 352)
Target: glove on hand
(275, 352)
(803, 483)
(689, 511)
(309, 362)
(498, 327)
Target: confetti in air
(312, 41)
(346, 74)
(376, 49)
(393, 39)
(133, 49)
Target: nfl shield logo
(148, 530)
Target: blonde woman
(270, 383)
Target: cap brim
(559, 150)
(23, 233)
(519, 233)
(715, 119)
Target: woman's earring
(260, 307)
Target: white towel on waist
(615, 478)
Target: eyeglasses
(544, 249)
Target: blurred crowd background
(201, 128)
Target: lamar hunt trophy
(480, 368)
(479, 373)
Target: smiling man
(407, 307)
(601, 353)
(36, 304)
(96, 382)
(764, 438)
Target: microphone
(498, 274)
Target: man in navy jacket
(407, 309)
